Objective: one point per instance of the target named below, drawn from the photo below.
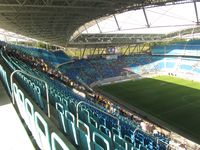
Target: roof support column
(196, 12)
(135, 48)
(128, 47)
(117, 23)
(86, 29)
(98, 26)
(145, 15)
(94, 51)
(83, 52)
(103, 49)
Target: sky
(161, 19)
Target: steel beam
(196, 12)
(98, 26)
(117, 23)
(55, 6)
(145, 15)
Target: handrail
(67, 62)
(83, 102)
(6, 60)
(46, 85)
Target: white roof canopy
(159, 20)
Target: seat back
(105, 130)
(69, 122)
(120, 143)
(60, 116)
(84, 115)
(83, 135)
(99, 142)
(130, 143)
(72, 107)
(57, 142)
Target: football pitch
(173, 100)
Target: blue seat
(105, 130)
(116, 131)
(99, 142)
(93, 122)
(84, 115)
(120, 143)
(60, 116)
(130, 142)
(70, 124)
(83, 135)
(57, 143)
(72, 107)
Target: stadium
(100, 74)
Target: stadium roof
(103, 40)
(55, 21)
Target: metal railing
(83, 102)
(46, 85)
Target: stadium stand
(61, 57)
(184, 66)
(53, 58)
(97, 69)
(99, 127)
(188, 48)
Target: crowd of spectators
(53, 73)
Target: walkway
(13, 135)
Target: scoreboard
(111, 50)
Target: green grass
(173, 100)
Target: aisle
(13, 136)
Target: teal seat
(143, 147)
(69, 122)
(72, 107)
(134, 148)
(120, 143)
(38, 97)
(138, 142)
(93, 128)
(84, 115)
(58, 98)
(95, 116)
(83, 136)
(93, 122)
(97, 147)
(57, 142)
(99, 142)
(105, 130)
(60, 116)
(65, 104)
(130, 144)
(116, 131)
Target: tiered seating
(61, 56)
(101, 131)
(53, 58)
(97, 69)
(189, 48)
(182, 66)
(92, 128)
(93, 70)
